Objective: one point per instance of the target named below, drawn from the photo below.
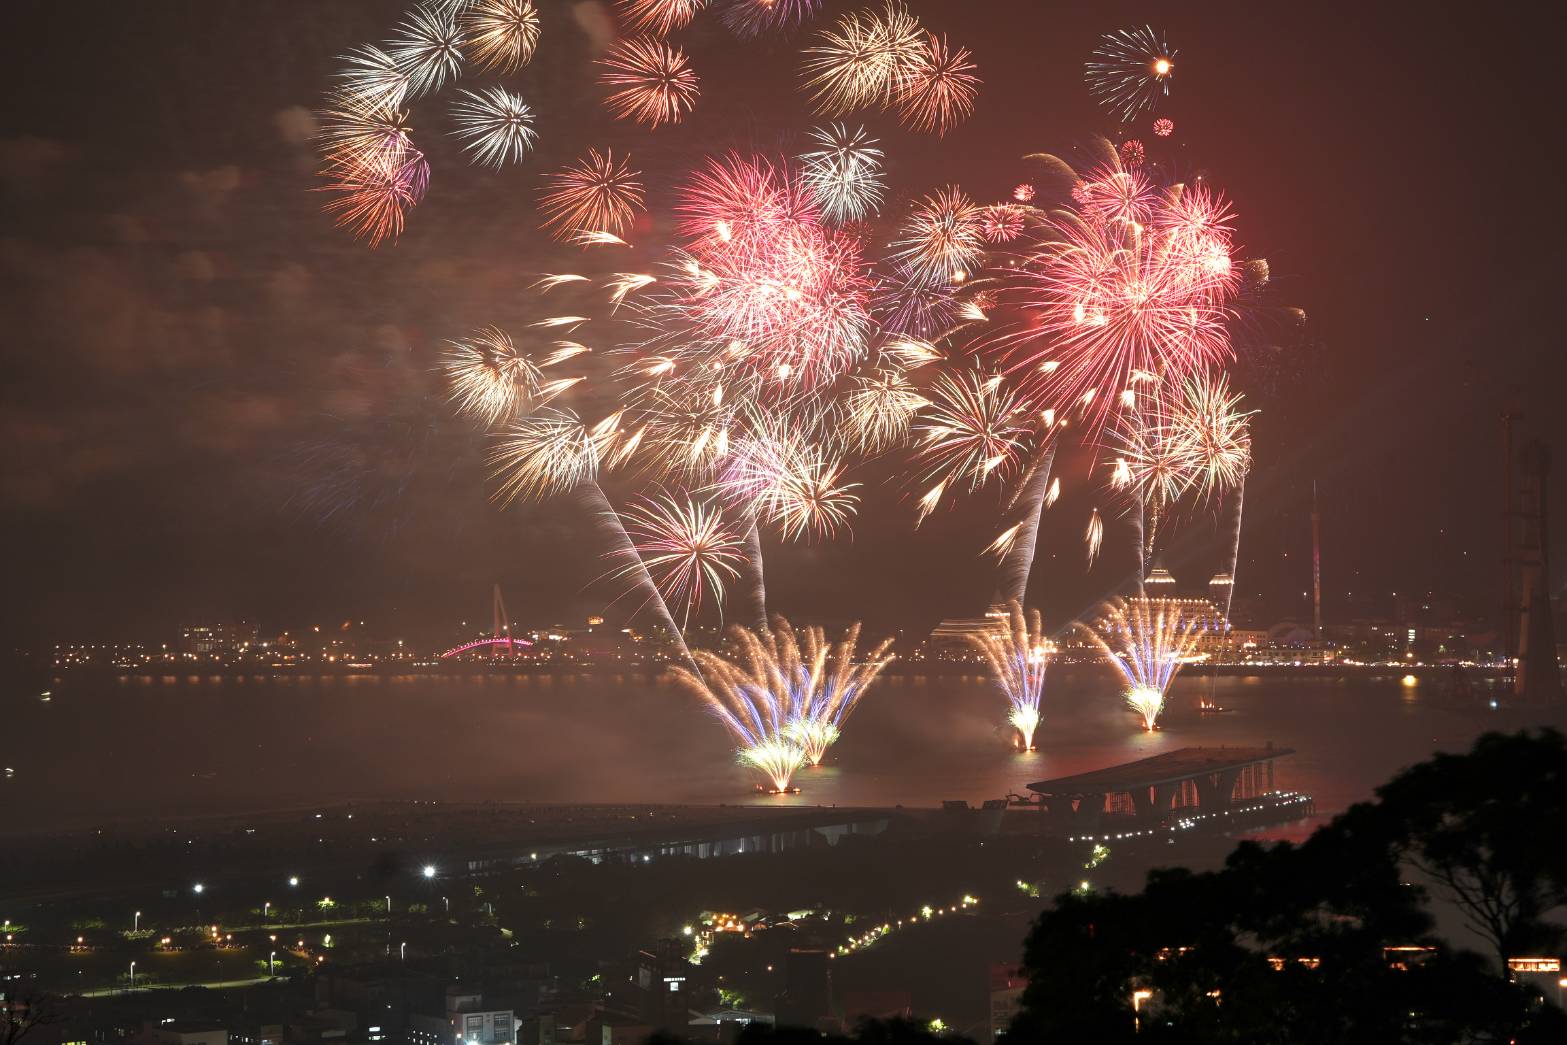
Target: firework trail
(1018, 561)
(755, 604)
(1094, 536)
(1017, 654)
(621, 548)
(1147, 640)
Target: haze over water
(109, 749)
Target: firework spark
(1094, 536)
(686, 546)
(597, 194)
(879, 408)
(428, 48)
(659, 17)
(936, 92)
(1133, 280)
(941, 239)
(1147, 640)
(1130, 71)
(1001, 222)
(1016, 651)
(864, 59)
(755, 17)
(972, 429)
(844, 171)
(495, 127)
(373, 78)
(650, 82)
(490, 379)
(783, 693)
(501, 35)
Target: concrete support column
(1090, 809)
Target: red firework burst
(651, 82)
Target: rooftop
(1167, 768)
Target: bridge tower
(1538, 676)
(501, 625)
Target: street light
(136, 922)
(265, 907)
(429, 870)
(293, 879)
(402, 951)
(270, 959)
(198, 888)
(388, 903)
(133, 976)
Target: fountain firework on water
(1147, 640)
(784, 693)
(1017, 653)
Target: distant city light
(429, 870)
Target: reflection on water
(178, 745)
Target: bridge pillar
(1216, 793)
(1090, 808)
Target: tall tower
(1538, 676)
(1316, 564)
(501, 622)
(1509, 551)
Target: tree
(1289, 944)
(1490, 829)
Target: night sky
(217, 405)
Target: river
(113, 749)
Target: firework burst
(1001, 222)
(936, 92)
(371, 165)
(1206, 418)
(495, 127)
(1130, 71)
(1147, 640)
(649, 81)
(864, 59)
(880, 408)
(489, 379)
(941, 240)
(1017, 652)
(686, 546)
(755, 17)
(1132, 281)
(659, 17)
(973, 428)
(500, 35)
(844, 171)
(428, 48)
(597, 194)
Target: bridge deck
(1168, 768)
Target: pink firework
(658, 17)
(650, 81)
(763, 275)
(1135, 281)
(372, 168)
(1132, 153)
(1164, 127)
(936, 92)
(1023, 193)
(1001, 223)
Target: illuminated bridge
(507, 643)
(1189, 784)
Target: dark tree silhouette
(1291, 944)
